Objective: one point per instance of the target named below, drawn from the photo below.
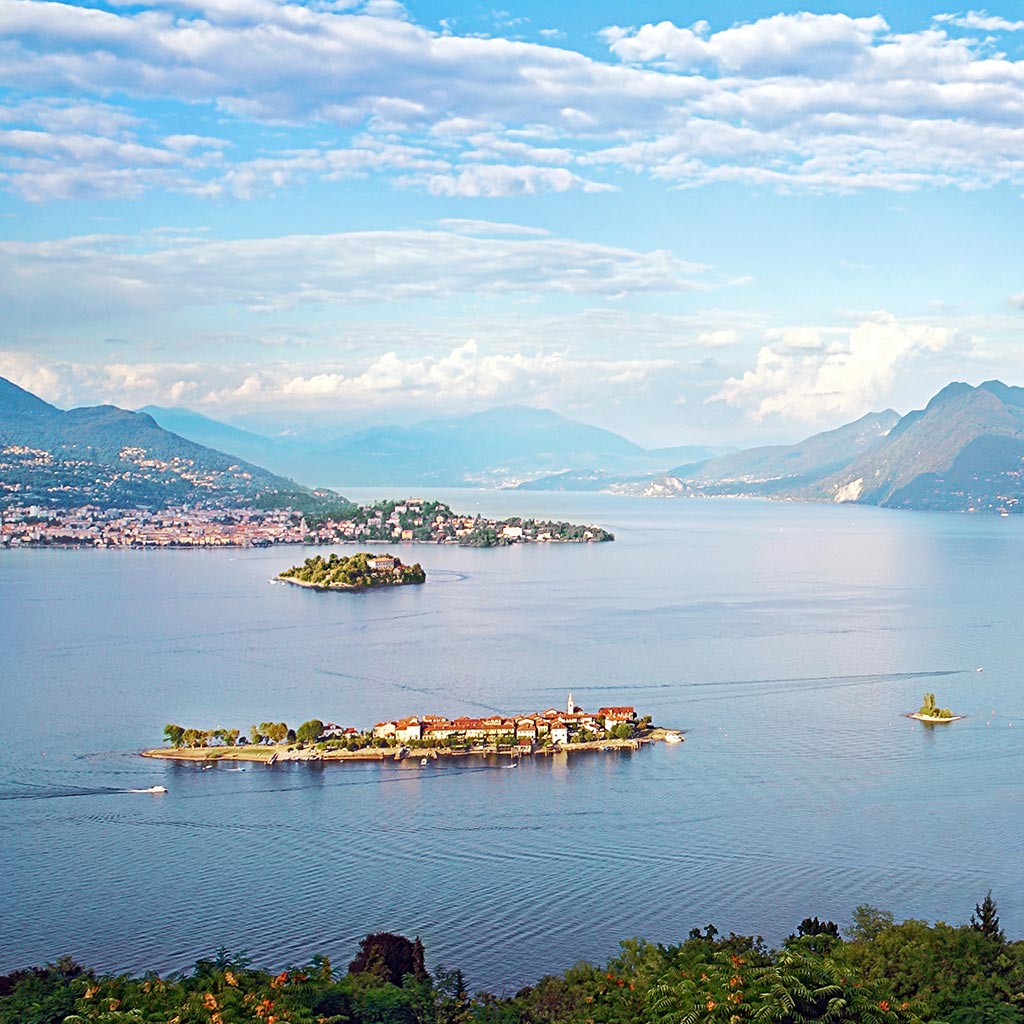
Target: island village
(550, 731)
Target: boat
(673, 737)
(423, 762)
(152, 789)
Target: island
(427, 736)
(353, 572)
(929, 712)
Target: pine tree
(986, 920)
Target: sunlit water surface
(787, 640)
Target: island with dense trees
(930, 712)
(877, 972)
(353, 572)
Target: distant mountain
(246, 444)
(771, 470)
(498, 447)
(964, 451)
(113, 458)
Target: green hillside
(112, 458)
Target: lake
(787, 640)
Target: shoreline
(279, 753)
(346, 586)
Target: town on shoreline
(550, 731)
(413, 520)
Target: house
(384, 730)
(559, 732)
(408, 729)
(526, 729)
(380, 563)
(616, 716)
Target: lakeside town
(414, 520)
(549, 731)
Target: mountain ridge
(112, 457)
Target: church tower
(570, 705)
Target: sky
(730, 222)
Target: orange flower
(210, 1001)
(884, 1004)
(734, 981)
(229, 979)
(711, 1004)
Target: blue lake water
(788, 640)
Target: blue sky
(726, 222)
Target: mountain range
(498, 447)
(964, 451)
(117, 459)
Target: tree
(985, 920)
(816, 935)
(309, 731)
(174, 734)
(389, 957)
(868, 923)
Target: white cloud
(980, 21)
(795, 101)
(461, 378)
(721, 338)
(493, 180)
(804, 375)
(786, 44)
(100, 277)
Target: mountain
(210, 433)
(964, 451)
(496, 447)
(772, 470)
(114, 458)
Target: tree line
(877, 971)
(266, 732)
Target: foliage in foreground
(883, 973)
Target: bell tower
(570, 705)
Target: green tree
(174, 734)
(309, 731)
(986, 920)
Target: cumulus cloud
(804, 374)
(823, 102)
(466, 376)
(786, 44)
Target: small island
(426, 737)
(930, 712)
(353, 572)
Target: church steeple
(570, 705)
